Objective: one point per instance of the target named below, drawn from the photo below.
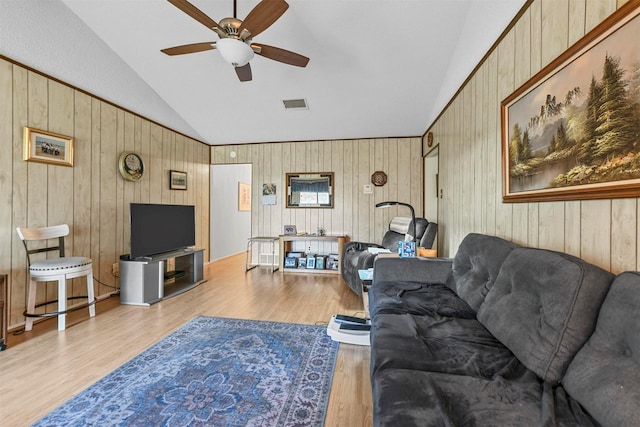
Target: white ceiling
(378, 68)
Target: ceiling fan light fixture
(234, 51)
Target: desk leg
(340, 250)
(366, 284)
(273, 257)
(281, 254)
(246, 260)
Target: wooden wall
(90, 196)
(353, 162)
(604, 232)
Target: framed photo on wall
(177, 180)
(47, 147)
(244, 197)
(572, 131)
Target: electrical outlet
(115, 269)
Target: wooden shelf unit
(287, 241)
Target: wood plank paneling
(19, 201)
(6, 182)
(604, 232)
(624, 235)
(90, 196)
(353, 162)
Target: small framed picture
(291, 262)
(244, 197)
(290, 230)
(311, 262)
(177, 180)
(47, 147)
(302, 263)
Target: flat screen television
(159, 228)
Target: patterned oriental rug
(214, 372)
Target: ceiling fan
(235, 44)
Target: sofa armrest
(425, 270)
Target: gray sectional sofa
(504, 335)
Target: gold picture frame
(47, 147)
(177, 180)
(244, 197)
(571, 131)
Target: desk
(250, 241)
(286, 242)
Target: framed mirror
(310, 190)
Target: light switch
(368, 189)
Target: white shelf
(286, 242)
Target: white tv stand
(145, 281)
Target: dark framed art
(177, 180)
(572, 132)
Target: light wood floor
(43, 368)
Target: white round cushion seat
(60, 265)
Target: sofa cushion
(410, 398)
(605, 374)
(476, 266)
(416, 298)
(543, 307)
(433, 343)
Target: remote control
(342, 319)
(354, 328)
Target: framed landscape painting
(572, 132)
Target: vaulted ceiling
(378, 68)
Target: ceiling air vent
(295, 104)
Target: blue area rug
(214, 372)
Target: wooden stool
(55, 269)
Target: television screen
(161, 228)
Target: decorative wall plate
(379, 178)
(430, 139)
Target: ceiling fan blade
(189, 48)
(244, 73)
(196, 14)
(281, 55)
(263, 15)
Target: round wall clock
(130, 166)
(379, 178)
